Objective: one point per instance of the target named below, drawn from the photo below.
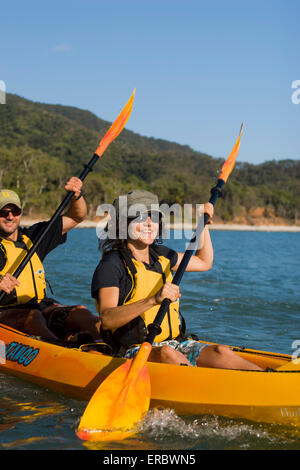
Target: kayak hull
(272, 397)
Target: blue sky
(200, 67)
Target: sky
(200, 67)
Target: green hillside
(41, 145)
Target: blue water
(249, 298)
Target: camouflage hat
(9, 197)
(136, 201)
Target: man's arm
(77, 209)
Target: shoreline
(27, 222)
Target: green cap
(137, 199)
(9, 197)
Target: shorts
(190, 348)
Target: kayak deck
(259, 396)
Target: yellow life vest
(32, 279)
(146, 283)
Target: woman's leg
(217, 356)
(168, 355)
(222, 357)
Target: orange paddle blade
(119, 402)
(116, 127)
(230, 162)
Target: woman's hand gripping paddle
(111, 134)
(124, 396)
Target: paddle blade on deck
(293, 366)
(116, 127)
(119, 402)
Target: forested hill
(41, 145)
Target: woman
(134, 276)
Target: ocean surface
(250, 298)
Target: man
(25, 306)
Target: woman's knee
(214, 356)
(222, 350)
(162, 354)
(168, 355)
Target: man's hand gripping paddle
(111, 134)
(123, 398)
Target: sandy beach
(27, 222)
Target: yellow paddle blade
(230, 162)
(116, 127)
(119, 402)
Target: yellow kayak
(268, 396)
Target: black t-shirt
(51, 240)
(111, 271)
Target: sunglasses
(143, 217)
(5, 212)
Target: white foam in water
(163, 425)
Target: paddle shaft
(154, 328)
(87, 168)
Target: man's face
(10, 216)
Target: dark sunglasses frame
(143, 217)
(5, 212)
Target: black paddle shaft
(87, 168)
(154, 328)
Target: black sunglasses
(5, 212)
(143, 217)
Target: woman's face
(144, 228)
